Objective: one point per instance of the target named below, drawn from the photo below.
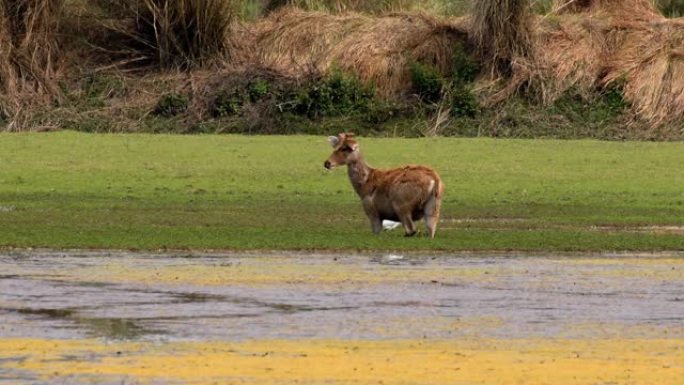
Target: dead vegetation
(581, 47)
(586, 46)
(29, 56)
(378, 50)
(501, 32)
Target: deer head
(346, 150)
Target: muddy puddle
(118, 313)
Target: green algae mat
(76, 190)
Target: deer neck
(359, 175)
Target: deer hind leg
(406, 219)
(431, 212)
(409, 226)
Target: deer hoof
(412, 233)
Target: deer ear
(334, 141)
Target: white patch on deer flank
(432, 185)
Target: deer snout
(327, 164)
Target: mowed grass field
(74, 190)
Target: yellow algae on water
(491, 361)
(259, 271)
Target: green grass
(76, 190)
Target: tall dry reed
(28, 55)
(501, 32)
(182, 33)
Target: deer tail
(438, 188)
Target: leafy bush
(614, 98)
(672, 8)
(432, 87)
(227, 103)
(463, 102)
(427, 82)
(465, 67)
(335, 94)
(171, 105)
(97, 87)
(258, 89)
(604, 107)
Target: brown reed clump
(180, 33)
(636, 7)
(376, 49)
(501, 32)
(570, 54)
(28, 52)
(584, 46)
(650, 63)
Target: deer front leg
(376, 224)
(373, 216)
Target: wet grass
(72, 190)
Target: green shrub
(579, 108)
(463, 102)
(4, 119)
(227, 103)
(258, 89)
(672, 8)
(613, 97)
(427, 82)
(96, 88)
(335, 94)
(465, 67)
(432, 87)
(171, 105)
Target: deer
(405, 194)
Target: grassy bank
(73, 190)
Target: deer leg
(373, 216)
(376, 224)
(431, 212)
(409, 226)
(406, 219)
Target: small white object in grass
(7, 209)
(393, 257)
(390, 225)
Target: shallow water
(126, 296)
(151, 299)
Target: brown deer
(404, 194)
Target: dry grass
(650, 61)
(377, 49)
(178, 33)
(584, 46)
(636, 7)
(580, 46)
(501, 32)
(28, 56)
(571, 53)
